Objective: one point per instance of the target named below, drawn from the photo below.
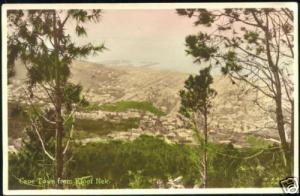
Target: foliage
(33, 29)
(258, 143)
(245, 167)
(135, 163)
(84, 128)
(138, 180)
(31, 162)
(123, 106)
(102, 127)
(222, 166)
(140, 163)
(197, 94)
(17, 119)
(73, 96)
(198, 48)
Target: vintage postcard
(153, 98)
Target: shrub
(134, 163)
(141, 162)
(100, 127)
(245, 167)
(30, 163)
(17, 119)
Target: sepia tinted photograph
(174, 97)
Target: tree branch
(264, 80)
(71, 136)
(285, 87)
(245, 51)
(36, 111)
(251, 84)
(288, 13)
(242, 21)
(287, 39)
(41, 140)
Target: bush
(257, 142)
(245, 167)
(30, 163)
(123, 162)
(100, 127)
(17, 119)
(141, 162)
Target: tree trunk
(278, 96)
(281, 130)
(59, 142)
(280, 119)
(58, 107)
(205, 150)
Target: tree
(196, 103)
(254, 46)
(40, 39)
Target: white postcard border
(139, 6)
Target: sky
(139, 36)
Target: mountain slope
(234, 112)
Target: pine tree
(196, 104)
(40, 39)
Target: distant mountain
(112, 63)
(116, 62)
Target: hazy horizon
(153, 38)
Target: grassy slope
(123, 106)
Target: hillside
(233, 119)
